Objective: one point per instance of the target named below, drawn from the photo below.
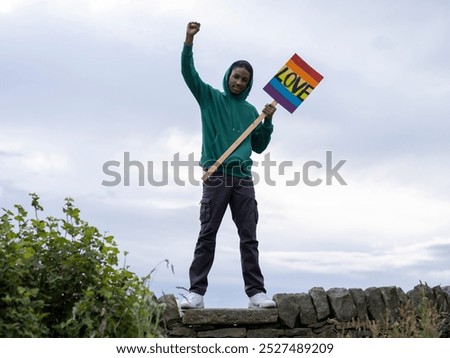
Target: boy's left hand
(269, 111)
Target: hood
(241, 96)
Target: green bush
(60, 278)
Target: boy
(225, 115)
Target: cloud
(379, 206)
(9, 6)
(348, 262)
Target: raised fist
(192, 28)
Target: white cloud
(46, 162)
(442, 277)
(377, 207)
(356, 262)
(8, 6)
(28, 160)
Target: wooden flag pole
(236, 144)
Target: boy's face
(238, 81)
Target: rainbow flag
(293, 83)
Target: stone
(445, 327)
(265, 333)
(391, 300)
(308, 313)
(171, 315)
(419, 292)
(327, 331)
(359, 298)
(402, 296)
(223, 333)
(230, 316)
(320, 301)
(288, 305)
(202, 327)
(297, 332)
(341, 303)
(446, 289)
(442, 304)
(376, 307)
(182, 331)
(318, 325)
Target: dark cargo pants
(219, 191)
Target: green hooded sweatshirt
(224, 117)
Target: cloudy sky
(86, 82)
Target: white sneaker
(192, 300)
(260, 300)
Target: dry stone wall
(337, 312)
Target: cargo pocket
(205, 210)
(256, 212)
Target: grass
(422, 320)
